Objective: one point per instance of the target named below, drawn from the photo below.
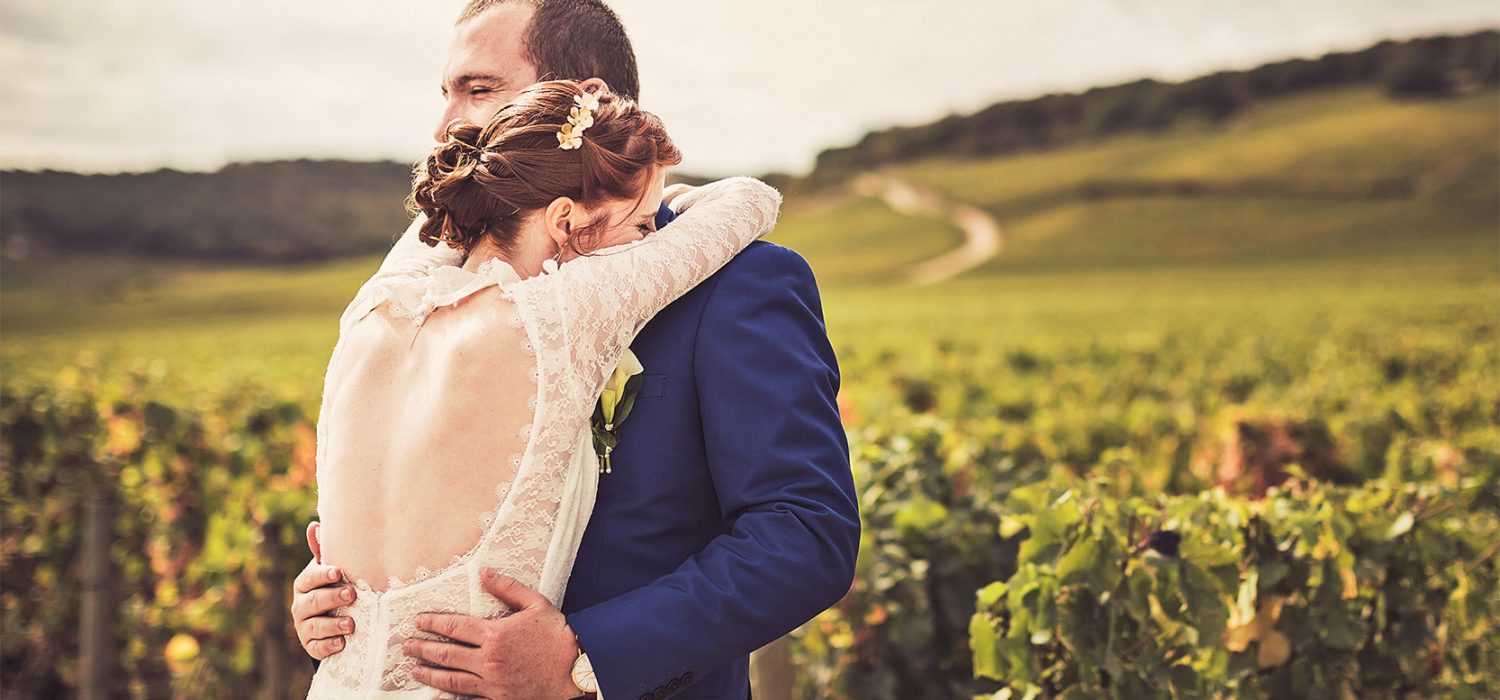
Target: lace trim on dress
(415, 298)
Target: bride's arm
(410, 256)
(607, 296)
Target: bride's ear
(557, 220)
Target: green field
(1325, 267)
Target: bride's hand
(672, 192)
(319, 592)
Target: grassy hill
(1340, 174)
(1348, 183)
(1339, 204)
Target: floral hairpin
(579, 118)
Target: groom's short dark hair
(575, 40)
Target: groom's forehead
(492, 43)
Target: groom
(729, 517)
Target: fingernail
(338, 642)
(333, 574)
(347, 594)
(346, 626)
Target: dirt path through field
(983, 236)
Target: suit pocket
(653, 386)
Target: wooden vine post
(771, 670)
(275, 676)
(96, 625)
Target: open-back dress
(454, 432)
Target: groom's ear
(593, 85)
(313, 542)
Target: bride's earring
(550, 265)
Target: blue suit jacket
(730, 517)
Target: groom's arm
(779, 459)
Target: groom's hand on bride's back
(319, 591)
(525, 655)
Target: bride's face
(623, 220)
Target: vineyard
(1186, 514)
(1239, 466)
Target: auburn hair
(484, 180)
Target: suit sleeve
(767, 381)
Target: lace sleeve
(599, 302)
(410, 257)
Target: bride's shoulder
(417, 297)
(490, 308)
(484, 326)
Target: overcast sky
(105, 85)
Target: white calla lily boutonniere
(614, 407)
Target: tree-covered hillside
(1429, 67)
(280, 211)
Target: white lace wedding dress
(454, 431)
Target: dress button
(645, 696)
(674, 685)
(687, 678)
(661, 692)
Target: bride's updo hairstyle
(484, 180)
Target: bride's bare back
(431, 426)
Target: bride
(454, 433)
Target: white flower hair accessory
(579, 118)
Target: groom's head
(503, 46)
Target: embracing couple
(579, 434)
